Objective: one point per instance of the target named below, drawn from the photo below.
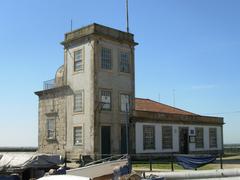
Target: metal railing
(49, 84)
(52, 83)
(169, 162)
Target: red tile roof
(153, 106)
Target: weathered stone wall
(117, 82)
(52, 105)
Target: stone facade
(52, 105)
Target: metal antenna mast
(174, 98)
(127, 16)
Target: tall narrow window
(124, 64)
(51, 128)
(148, 137)
(106, 100)
(199, 137)
(167, 137)
(78, 101)
(125, 105)
(78, 135)
(213, 137)
(106, 58)
(78, 60)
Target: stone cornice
(100, 30)
(52, 90)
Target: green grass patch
(167, 166)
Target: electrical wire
(227, 112)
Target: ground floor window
(148, 137)
(78, 135)
(213, 137)
(167, 137)
(199, 137)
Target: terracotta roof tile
(153, 106)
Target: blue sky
(188, 47)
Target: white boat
(63, 177)
(103, 167)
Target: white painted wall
(80, 81)
(158, 138)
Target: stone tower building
(83, 110)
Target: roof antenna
(71, 25)
(159, 97)
(173, 97)
(127, 16)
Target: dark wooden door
(106, 141)
(183, 140)
(123, 140)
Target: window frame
(106, 62)
(52, 137)
(121, 62)
(129, 103)
(81, 109)
(166, 138)
(74, 135)
(103, 108)
(149, 143)
(81, 61)
(199, 141)
(213, 140)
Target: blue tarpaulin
(194, 161)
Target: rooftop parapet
(97, 29)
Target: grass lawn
(167, 166)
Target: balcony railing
(52, 83)
(49, 84)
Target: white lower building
(159, 128)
